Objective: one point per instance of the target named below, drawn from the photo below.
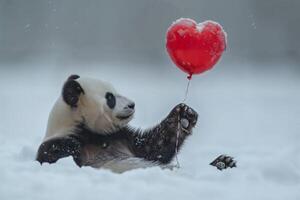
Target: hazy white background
(248, 104)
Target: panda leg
(159, 143)
(54, 149)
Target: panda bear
(90, 122)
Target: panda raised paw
(185, 115)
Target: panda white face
(97, 104)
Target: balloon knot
(190, 76)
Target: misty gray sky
(134, 30)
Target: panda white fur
(89, 122)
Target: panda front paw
(54, 149)
(186, 116)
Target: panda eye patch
(110, 100)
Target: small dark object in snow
(223, 162)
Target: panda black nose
(131, 105)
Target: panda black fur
(90, 120)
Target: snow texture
(252, 115)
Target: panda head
(96, 104)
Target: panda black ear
(71, 91)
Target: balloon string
(179, 126)
(186, 91)
(177, 141)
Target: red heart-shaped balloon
(193, 47)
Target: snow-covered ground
(251, 114)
